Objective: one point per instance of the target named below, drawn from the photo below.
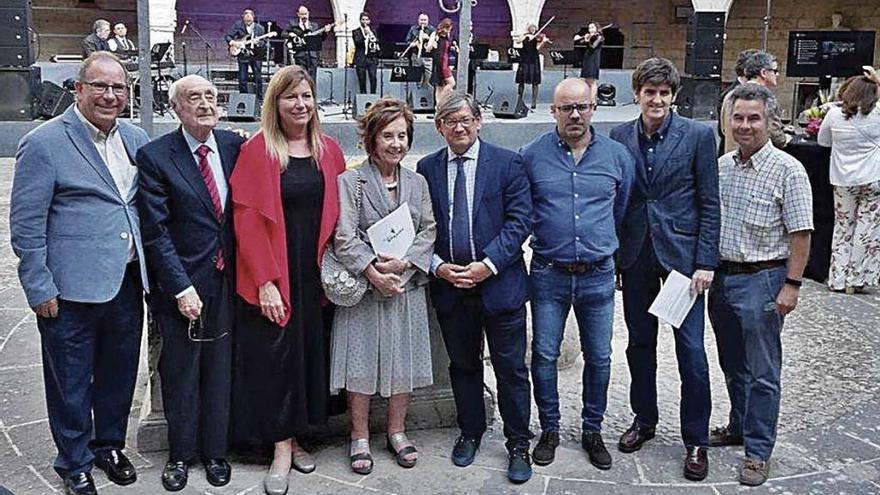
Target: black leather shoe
(217, 471)
(465, 451)
(175, 476)
(633, 438)
(592, 442)
(545, 452)
(723, 437)
(117, 467)
(519, 467)
(80, 484)
(696, 463)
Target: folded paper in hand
(394, 234)
(675, 300)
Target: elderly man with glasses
(481, 202)
(580, 184)
(188, 239)
(76, 232)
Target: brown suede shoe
(754, 472)
(722, 437)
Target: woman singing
(285, 207)
(439, 45)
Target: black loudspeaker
(19, 92)
(421, 99)
(362, 103)
(54, 100)
(698, 98)
(15, 46)
(705, 44)
(507, 105)
(242, 107)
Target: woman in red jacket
(285, 207)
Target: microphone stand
(268, 49)
(208, 51)
(346, 104)
(185, 65)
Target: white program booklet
(394, 234)
(674, 301)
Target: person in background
(251, 56)
(852, 131)
(119, 44)
(366, 54)
(529, 70)
(97, 41)
(439, 46)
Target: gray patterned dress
(382, 344)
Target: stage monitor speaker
(19, 92)
(698, 97)
(362, 103)
(705, 44)
(15, 45)
(242, 107)
(421, 99)
(54, 100)
(507, 105)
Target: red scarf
(261, 239)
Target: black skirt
(528, 73)
(590, 63)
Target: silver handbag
(342, 287)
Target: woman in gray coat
(382, 344)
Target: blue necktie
(461, 236)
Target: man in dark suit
(305, 38)
(366, 54)
(482, 203)
(672, 222)
(97, 41)
(188, 239)
(252, 56)
(76, 232)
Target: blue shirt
(577, 207)
(650, 144)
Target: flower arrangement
(812, 117)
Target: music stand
(564, 58)
(513, 55)
(407, 74)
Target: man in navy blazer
(76, 232)
(672, 223)
(482, 203)
(188, 238)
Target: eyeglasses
(465, 122)
(580, 107)
(196, 332)
(100, 88)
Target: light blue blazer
(70, 226)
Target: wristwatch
(793, 282)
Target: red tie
(208, 177)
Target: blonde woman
(439, 45)
(285, 207)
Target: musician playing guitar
(366, 54)
(592, 42)
(301, 33)
(250, 54)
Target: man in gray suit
(75, 229)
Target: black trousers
(196, 377)
(309, 62)
(463, 330)
(364, 71)
(256, 67)
(90, 362)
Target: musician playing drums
(302, 33)
(248, 54)
(592, 42)
(366, 54)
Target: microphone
(185, 25)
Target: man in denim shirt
(580, 186)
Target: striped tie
(208, 177)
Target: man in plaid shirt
(766, 220)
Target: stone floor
(829, 431)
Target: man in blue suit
(481, 200)
(188, 238)
(672, 223)
(76, 232)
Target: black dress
(281, 377)
(529, 71)
(590, 62)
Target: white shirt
(855, 146)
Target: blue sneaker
(519, 469)
(465, 451)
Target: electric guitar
(245, 46)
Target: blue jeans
(742, 309)
(553, 294)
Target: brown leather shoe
(722, 437)
(633, 438)
(696, 463)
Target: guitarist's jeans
(256, 66)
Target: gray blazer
(354, 252)
(70, 226)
